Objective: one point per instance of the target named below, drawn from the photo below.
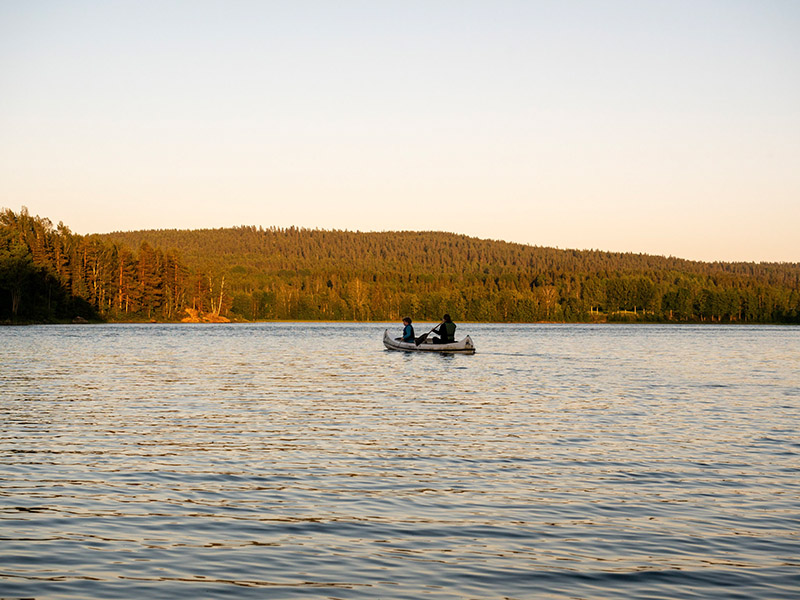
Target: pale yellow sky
(664, 128)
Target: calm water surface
(297, 460)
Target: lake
(305, 461)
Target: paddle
(424, 336)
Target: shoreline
(302, 321)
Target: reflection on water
(283, 460)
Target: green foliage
(30, 287)
(254, 273)
(49, 274)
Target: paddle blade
(424, 336)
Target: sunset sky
(662, 127)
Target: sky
(667, 127)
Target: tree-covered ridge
(48, 273)
(316, 274)
(436, 251)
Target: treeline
(249, 273)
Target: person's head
(407, 320)
(446, 318)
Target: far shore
(398, 322)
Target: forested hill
(430, 252)
(318, 274)
(48, 273)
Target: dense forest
(48, 273)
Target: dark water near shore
(303, 460)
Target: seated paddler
(446, 331)
(408, 330)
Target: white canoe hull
(464, 346)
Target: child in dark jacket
(408, 330)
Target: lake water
(305, 461)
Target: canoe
(464, 346)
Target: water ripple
(290, 461)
